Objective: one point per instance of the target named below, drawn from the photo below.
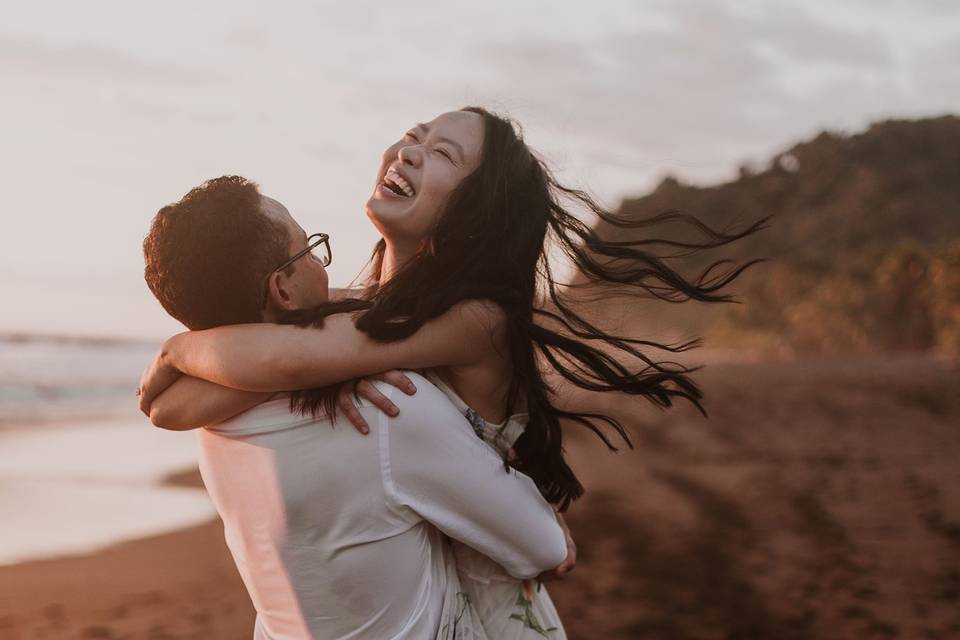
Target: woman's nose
(410, 154)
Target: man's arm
(436, 465)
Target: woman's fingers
(398, 379)
(567, 565)
(367, 391)
(571, 561)
(347, 407)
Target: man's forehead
(275, 210)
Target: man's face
(307, 284)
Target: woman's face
(420, 171)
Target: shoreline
(80, 486)
(177, 584)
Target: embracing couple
(440, 518)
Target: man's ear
(278, 297)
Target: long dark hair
(492, 242)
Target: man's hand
(567, 565)
(154, 381)
(366, 390)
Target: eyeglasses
(319, 245)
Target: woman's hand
(155, 380)
(567, 565)
(368, 391)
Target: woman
(465, 209)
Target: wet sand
(178, 585)
(821, 500)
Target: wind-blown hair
(492, 242)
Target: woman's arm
(266, 357)
(269, 357)
(190, 403)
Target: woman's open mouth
(395, 183)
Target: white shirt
(335, 534)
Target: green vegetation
(863, 250)
(908, 299)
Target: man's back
(331, 530)
(309, 525)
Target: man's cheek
(325, 285)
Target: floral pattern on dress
(524, 604)
(526, 615)
(476, 421)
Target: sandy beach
(175, 585)
(821, 500)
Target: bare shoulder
(482, 313)
(482, 318)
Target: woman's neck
(394, 257)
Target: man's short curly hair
(208, 255)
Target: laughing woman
(461, 287)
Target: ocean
(44, 379)
(80, 467)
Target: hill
(863, 248)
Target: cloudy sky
(113, 108)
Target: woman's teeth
(398, 185)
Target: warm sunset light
(241, 167)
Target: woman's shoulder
(482, 318)
(485, 312)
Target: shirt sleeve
(434, 464)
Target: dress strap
(447, 390)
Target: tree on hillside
(864, 247)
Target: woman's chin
(386, 214)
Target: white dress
(508, 608)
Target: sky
(111, 109)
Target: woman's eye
(445, 154)
(411, 135)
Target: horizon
(759, 166)
(304, 99)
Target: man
(335, 535)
